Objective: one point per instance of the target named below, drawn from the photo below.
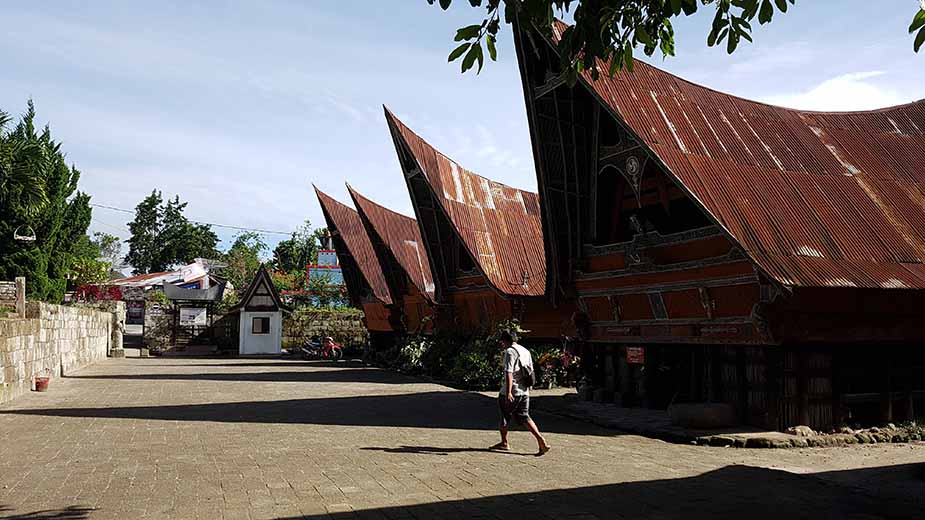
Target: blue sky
(239, 106)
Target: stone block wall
(7, 294)
(344, 325)
(51, 339)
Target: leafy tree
(244, 259)
(38, 193)
(325, 292)
(94, 258)
(88, 265)
(610, 30)
(162, 237)
(284, 281)
(301, 249)
(109, 247)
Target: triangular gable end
(398, 243)
(498, 227)
(363, 275)
(261, 294)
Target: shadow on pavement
(68, 513)
(344, 375)
(431, 450)
(731, 492)
(445, 410)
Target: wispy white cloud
(852, 91)
(768, 59)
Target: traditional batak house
(366, 285)
(397, 241)
(483, 239)
(723, 250)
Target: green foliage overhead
(38, 194)
(163, 238)
(918, 24)
(611, 30)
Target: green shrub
(439, 358)
(478, 365)
(410, 352)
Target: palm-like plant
(22, 165)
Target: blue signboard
(327, 257)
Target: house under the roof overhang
(757, 255)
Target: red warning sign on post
(636, 355)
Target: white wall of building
(251, 343)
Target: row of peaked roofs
(498, 225)
(813, 199)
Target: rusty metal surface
(403, 237)
(815, 199)
(345, 222)
(499, 225)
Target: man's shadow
(431, 450)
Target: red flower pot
(41, 383)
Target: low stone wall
(344, 325)
(51, 339)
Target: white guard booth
(260, 330)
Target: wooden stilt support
(886, 396)
(802, 388)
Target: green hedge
(473, 362)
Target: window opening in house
(260, 325)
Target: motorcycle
(326, 349)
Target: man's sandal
(500, 447)
(543, 450)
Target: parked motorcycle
(325, 349)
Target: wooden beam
(552, 83)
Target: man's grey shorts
(518, 410)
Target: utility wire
(264, 231)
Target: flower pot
(41, 383)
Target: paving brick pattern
(198, 438)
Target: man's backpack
(527, 374)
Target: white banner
(193, 316)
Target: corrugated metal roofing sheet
(814, 198)
(403, 237)
(346, 221)
(499, 225)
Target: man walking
(514, 398)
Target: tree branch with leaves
(610, 31)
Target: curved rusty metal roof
(345, 221)
(821, 199)
(499, 225)
(402, 236)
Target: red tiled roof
(402, 236)
(822, 199)
(499, 225)
(345, 221)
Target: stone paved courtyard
(253, 438)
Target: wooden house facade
(722, 250)
(363, 277)
(483, 239)
(397, 242)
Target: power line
(264, 231)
